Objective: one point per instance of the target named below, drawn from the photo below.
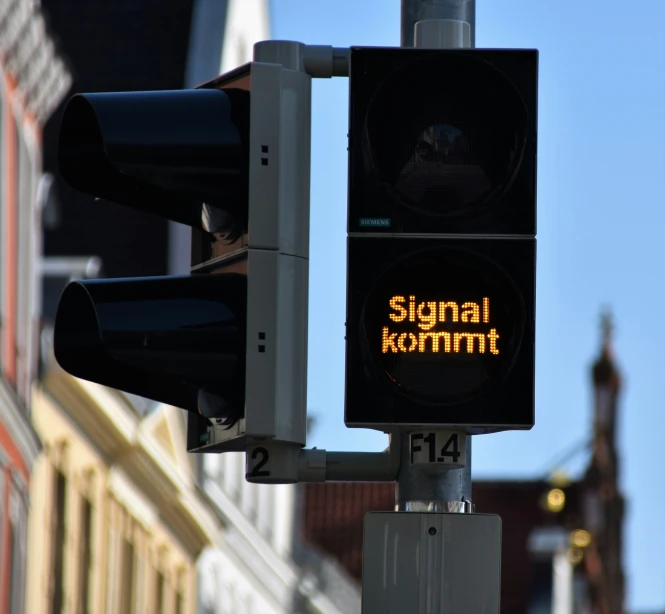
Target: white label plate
(430, 447)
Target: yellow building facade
(117, 520)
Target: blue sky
(601, 237)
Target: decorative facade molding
(129, 470)
(139, 450)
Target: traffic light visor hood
(165, 339)
(166, 152)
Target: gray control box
(431, 563)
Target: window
(111, 569)
(211, 467)
(265, 512)
(181, 584)
(17, 542)
(159, 597)
(249, 499)
(3, 477)
(2, 215)
(8, 227)
(234, 467)
(12, 260)
(24, 270)
(17, 545)
(12, 550)
(85, 557)
(59, 543)
(128, 586)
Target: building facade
(117, 521)
(33, 81)
(261, 563)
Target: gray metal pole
(432, 487)
(418, 10)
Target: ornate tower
(603, 502)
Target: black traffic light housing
(228, 343)
(441, 246)
(165, 152)
(476, 175)
(165, 339)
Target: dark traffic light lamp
(165, 339)
(441, 247)
(442, 141)
(439, 332)
(228, 342)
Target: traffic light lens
(165, 152)
(458, 129)
(163, 338)
(442, 324)
(444, 171)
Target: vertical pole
(443, 24)
(414, 11)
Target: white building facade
(261, 565)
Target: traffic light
(441, 238)
(228, 342)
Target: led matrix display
(427, 315)
(440, 330)
(455, 330)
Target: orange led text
(427, 315)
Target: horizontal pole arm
(325, 61)
(318, 61)
(323, 466)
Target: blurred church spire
(604, 503)
(605, 373)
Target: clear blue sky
(601, 236)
